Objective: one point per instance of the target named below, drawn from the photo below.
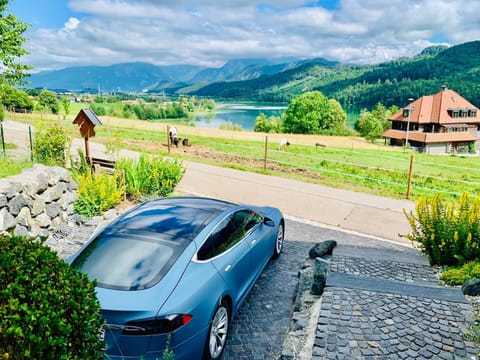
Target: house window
(463, 113)
(455, 113)
(472, 113)
(405, 112)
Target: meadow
(343, 162)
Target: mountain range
(138, 77)
(279, 80)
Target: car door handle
(254, 242)
(227, 268)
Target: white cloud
(72, 24)
(210, 32)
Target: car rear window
(127, 260)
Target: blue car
(171, 273)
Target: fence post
(3, 140)
(265, 157)
(168, 138)
(31, 142)
(410, 172)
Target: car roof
(173, 217)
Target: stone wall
(37, 201)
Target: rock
(20, 231)
(24, 217)
(66, 200)
(53, 210)
(43, 220)
(7, 221)
(471, 287)
(33, 182)
(53, 193)
(322, 249)
(37, 206)
(3, 200)
(110, 214)
(319, 276)
(16, 204)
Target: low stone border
(311, 281)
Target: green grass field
(382, 171)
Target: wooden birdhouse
(86, 120)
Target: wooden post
(3, 141)
(410, 172)
(87, 148)
(265, 157)
(168, 138)
(31, 142)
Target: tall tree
(48, 100)
(314, 113)
(369, 125)
(11, 47)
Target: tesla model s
(171, 273)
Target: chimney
(444, 87)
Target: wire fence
(16, 141)
(394, 174)
(402, 174)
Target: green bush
(49, 145)
(48, 310)
(229, 125)
(97, 193)
(448, 232)
(150, 175)
(458, 275)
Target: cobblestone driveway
(381, 302)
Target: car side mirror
(269, 222)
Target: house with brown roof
(442, 123)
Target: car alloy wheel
(279, 241)
(217, 336)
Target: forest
(363, 86)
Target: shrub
(229, 125)
(79, 166)
(458, 275)
(150, 175)
(98, 193)
(48, 310)
(448, 232)
(49, 145)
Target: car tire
(217, 332)
(279, 241)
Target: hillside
(364, 86)
(280, 80)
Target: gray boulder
(322, 249)
(471, 287)
(319, 276)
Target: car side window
(228, 233)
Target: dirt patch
(204, 153)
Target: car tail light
(156, 326)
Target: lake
(245, 114)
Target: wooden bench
(106, 164)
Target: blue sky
(67, 33)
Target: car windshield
(128, 260)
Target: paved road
(341, 209)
